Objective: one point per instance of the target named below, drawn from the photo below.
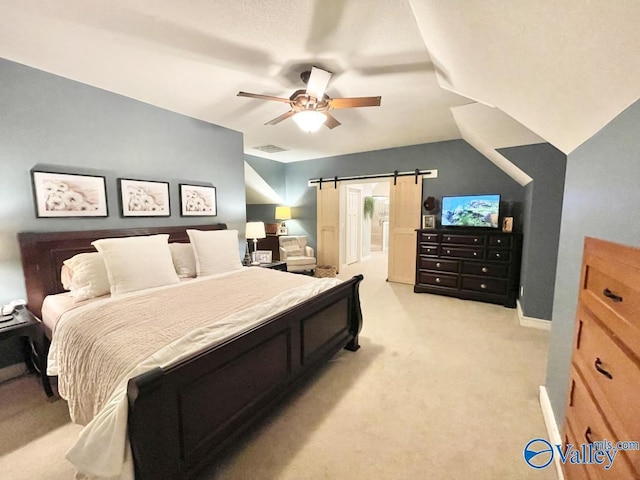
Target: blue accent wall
(53, 123)
(601, 198)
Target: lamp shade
(255, 230)
(309, 120)
(283, 213)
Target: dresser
(604, 386)
(472, 264)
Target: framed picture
(197, 201)
(428, 221)
(263, 256)
(69, 195)
(144, 198)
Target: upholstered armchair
(299, 256)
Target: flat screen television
(471, 211)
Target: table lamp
(283, 213)
(255, 230)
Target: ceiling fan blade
(353, 102)
(263, 97)
(331, 121)
(282, 117)
(318, 81)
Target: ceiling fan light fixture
(309, 120)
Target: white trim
(552, 427)
(531, 322)
(12, 371)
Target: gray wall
(461, 170)
(541, 224)
(274, 174)
(67, 126)
(601, 198)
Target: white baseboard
(552, 427)
(531, 322)
(12, 371)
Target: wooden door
(404, 218)
(328, 228)
(354, 207)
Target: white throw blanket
(102, 450)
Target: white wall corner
(551, 426)
(531, 322)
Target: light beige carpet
(441, 389)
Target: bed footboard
(182, 417)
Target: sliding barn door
(405, 201)
(328, 199)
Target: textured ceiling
(561, 69)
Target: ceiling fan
(310, 107)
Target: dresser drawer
(440, 280)
(498, 255)
(429, 237)
(585, 421)
(428, 249)
(462, 252)
(614, 377)
(486, 285)
(500, 241)
(574, 471)
(463, 239)
(486, 269)
(612, 291)
(439, 265)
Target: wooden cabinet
(470, 264)
(604, 382)
(270, 243)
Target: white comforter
(102, 449)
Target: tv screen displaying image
(471, 211)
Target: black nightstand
(29, 328)
(282, 266)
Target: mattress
(55, 305)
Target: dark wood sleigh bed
(182, 417)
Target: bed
(182, 417)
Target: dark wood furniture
(472, 264)
(604, 382)
(34, 343)
(277, 265)
(182, 417)
(270, 243)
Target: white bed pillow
(85, 276)
(136, 263)
(184, 260)
(216, 251)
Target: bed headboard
(43, 253)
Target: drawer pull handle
(482, 285)
(448, 251)
(475, 253)
(497, 255)
(499, 241)
(609, 294)
(475, 240)
(485, 269)
(597, 364)
(438, 280)
(587, 435)
(438, 264)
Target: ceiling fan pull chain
(335, 182)
(395, 177)
(417, 173)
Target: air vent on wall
(271, 149)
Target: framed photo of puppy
(198, 201)
(65, 195)
(144, 198)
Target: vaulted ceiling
(524, 72)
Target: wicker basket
(325, 271)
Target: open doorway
(365, 209)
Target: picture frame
(144, 198)
(428, 221)
(64, 195)
(263, 256)
(198, 201)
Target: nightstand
(282, 266)
(29, 328)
